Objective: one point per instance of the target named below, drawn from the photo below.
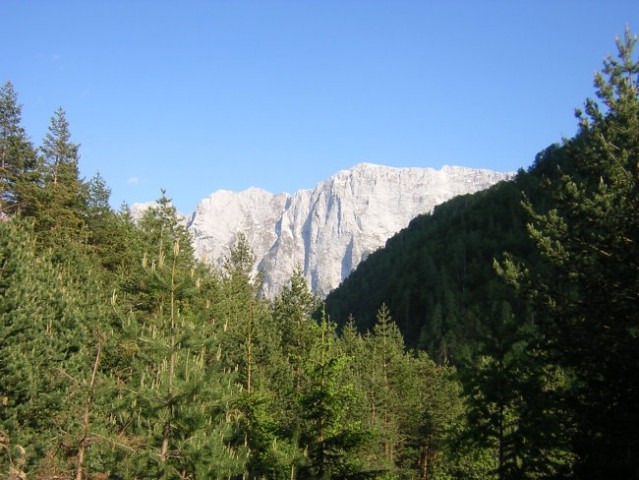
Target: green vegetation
(530, 290)
(494, 339)
(121, 356)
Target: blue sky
(196, 96)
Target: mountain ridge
(327, 230)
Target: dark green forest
(496, 338)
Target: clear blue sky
(196, 96)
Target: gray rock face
(326, 231)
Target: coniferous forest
(496, 338)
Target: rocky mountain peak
(328, 230)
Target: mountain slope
(432, 270)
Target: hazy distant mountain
(328, 230)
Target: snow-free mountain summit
(328, 230)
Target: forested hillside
(436, 276)
(123, 357)
(530, 290)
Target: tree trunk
(86, 417)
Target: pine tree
(51, 316)
(585, 285)
(250, 345)
(242, 309)
(332, 434)
(412, 403)
(171, 411)
(512, 394)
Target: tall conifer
(17, 156)
(585, 286)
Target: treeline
(122, 356)
(531, 290)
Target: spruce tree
(292, 312)
(17, 156)
(112, 236)
(386, 367)
(60, 207)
